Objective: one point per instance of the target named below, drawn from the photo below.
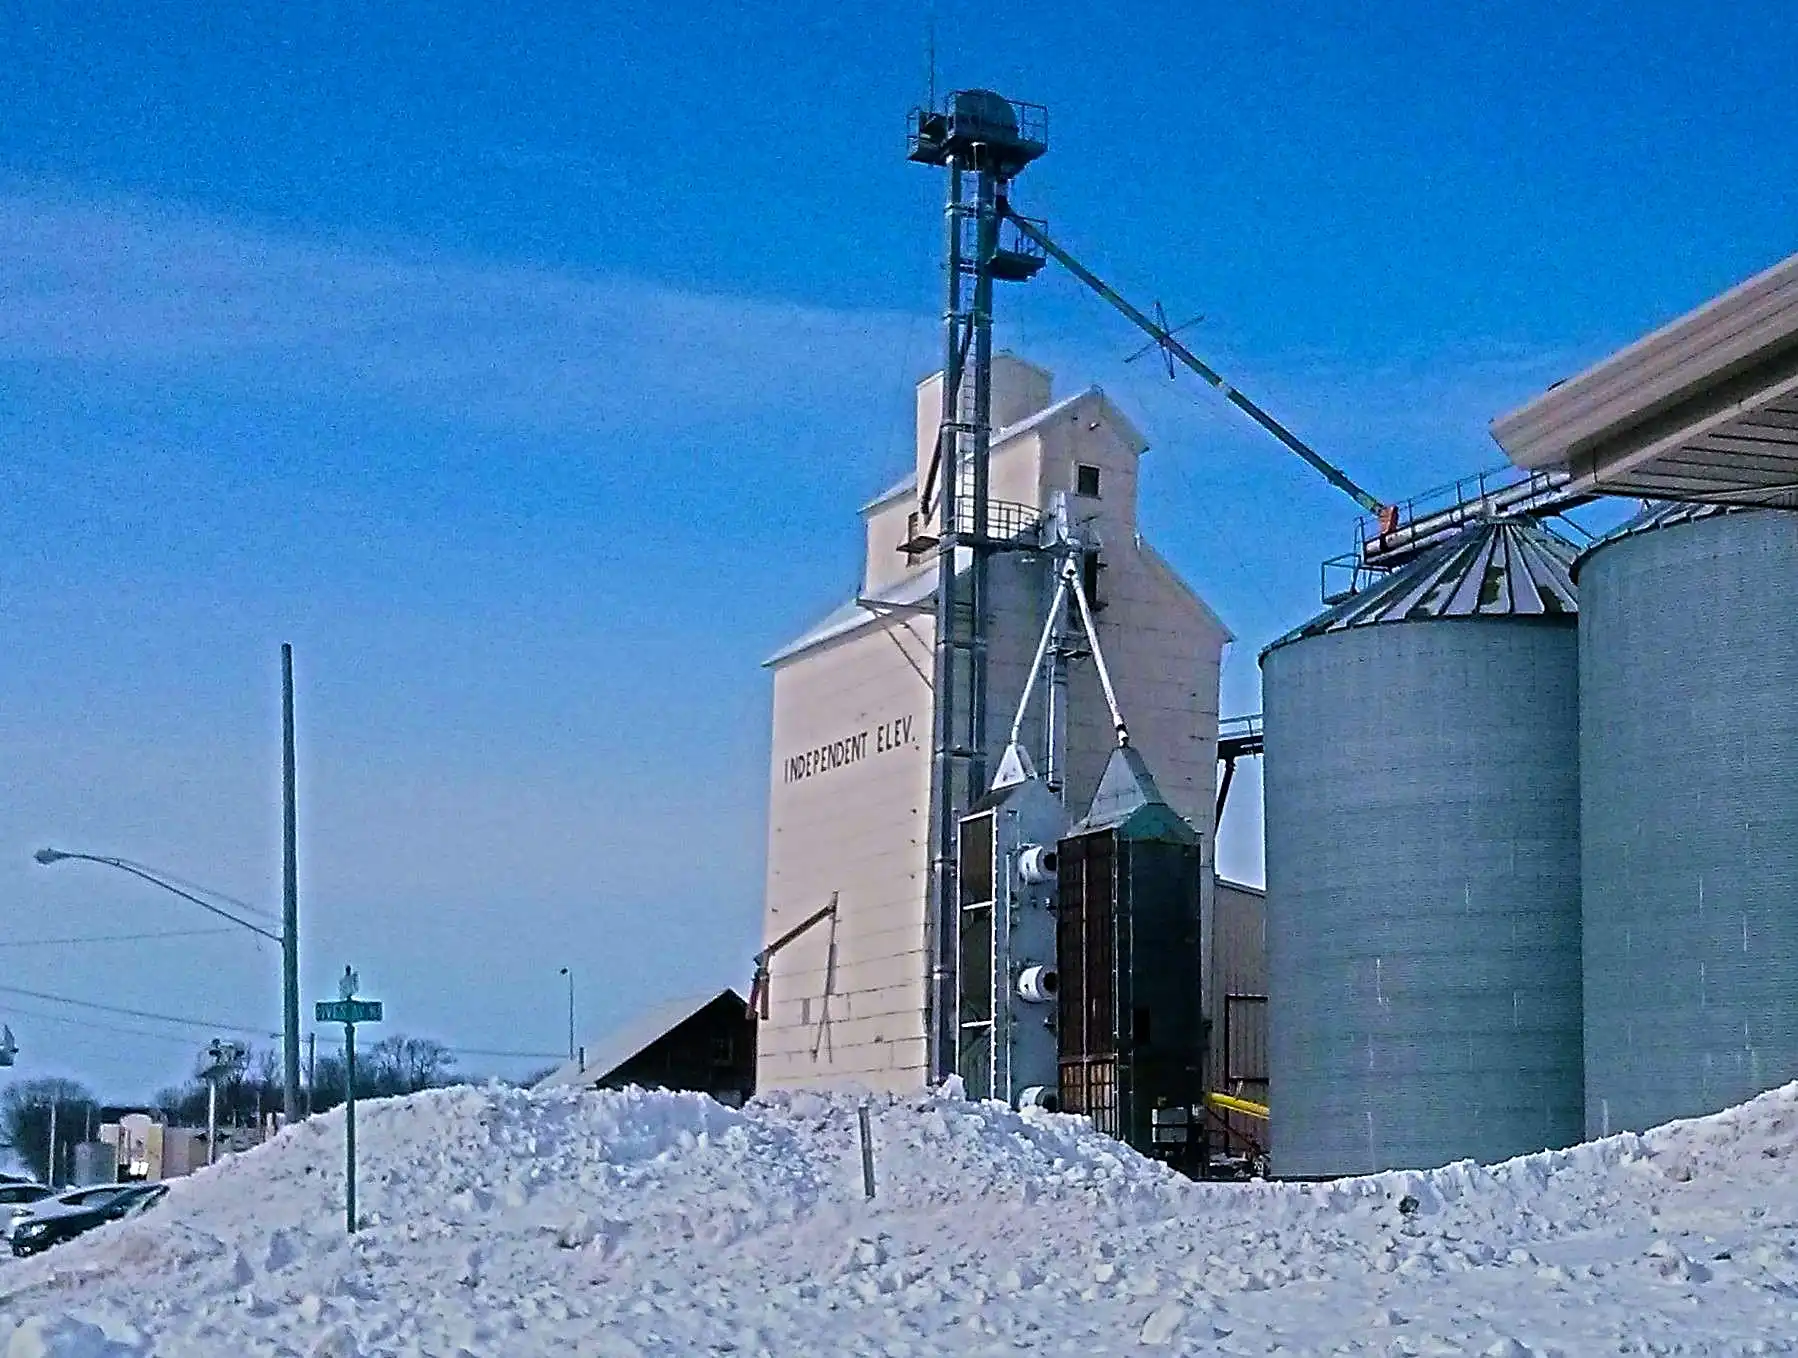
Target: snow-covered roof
(611, 1050)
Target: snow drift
(497, 1222)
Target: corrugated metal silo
(1689, 806)
(1422, 822)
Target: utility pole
(50, 1177)
(311, 1071)
(290, 903)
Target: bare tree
(25, 1117)
(405, 1065)
(395, 1065)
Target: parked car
(53, 1220)
(16, 1197)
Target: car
(16, 1198)
(52, 1221)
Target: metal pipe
(1236, 1105)
(1540, 490)
(1071, 573)
(1042, 650)
(758, 989)
(867, 1138)
(940, 995)
(1165, 338)
(349, 1126)
(1055, 715)
(980, 454)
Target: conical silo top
(1499, 568)
(1657, 514)
(1129, 801)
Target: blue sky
(525, 374)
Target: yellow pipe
(1236, 1105)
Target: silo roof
(1502, 568)
(1658, 514)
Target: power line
(117, 1029)
(210, 1025)
(244, 906)
(111, 938)
(520, 1056)
(138, 1013)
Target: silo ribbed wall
(1421, 790)
(1689, 757)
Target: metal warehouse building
(849, 799)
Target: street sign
(348, 1011)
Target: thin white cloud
(140, 286)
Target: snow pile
(497, 1222)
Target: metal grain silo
(1422, 821)
(1689, 807)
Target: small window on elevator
(1086, 480)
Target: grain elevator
(849, 795)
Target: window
(724, 1051)
(1086, 480)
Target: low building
(140, 1147)
(704, 1043)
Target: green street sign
(348, 1011)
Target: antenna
(930, 52)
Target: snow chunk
(64, 1337)
(1163, 1323)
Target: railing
(1006, 522)
(1426, 519)
(1246, 728)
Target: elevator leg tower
(979, 135)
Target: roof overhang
(1705, 408)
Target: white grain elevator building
(849, 795)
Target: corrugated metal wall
(1689, 757)
(1422, 825)
(1236, 980)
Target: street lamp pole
(289, 938)
(290, 1018)
(569, 973)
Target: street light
(290, 1034)
(570, 975)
